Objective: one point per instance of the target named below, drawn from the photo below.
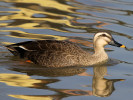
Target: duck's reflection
(101, 87)
(50, 72)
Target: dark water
(72, 20)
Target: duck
(55, 53)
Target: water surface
(72, 20)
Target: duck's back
(49, 53)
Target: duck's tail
(16, 51)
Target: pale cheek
(101, 42)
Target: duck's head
(102, 38)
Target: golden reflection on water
(56, 15)
(17, 80)
(30, 97)
(51, 9)
(21, 34)
(25, 35)
(47, 3)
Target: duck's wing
(41, 45)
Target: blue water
(72, 20)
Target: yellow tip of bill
(123, 46)
(122, 79)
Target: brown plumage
(53, 53)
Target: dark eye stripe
(104, 35)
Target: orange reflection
(77, 92)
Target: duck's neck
(98, 50)
(99, 56)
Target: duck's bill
(115, 43)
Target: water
(72, 20)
